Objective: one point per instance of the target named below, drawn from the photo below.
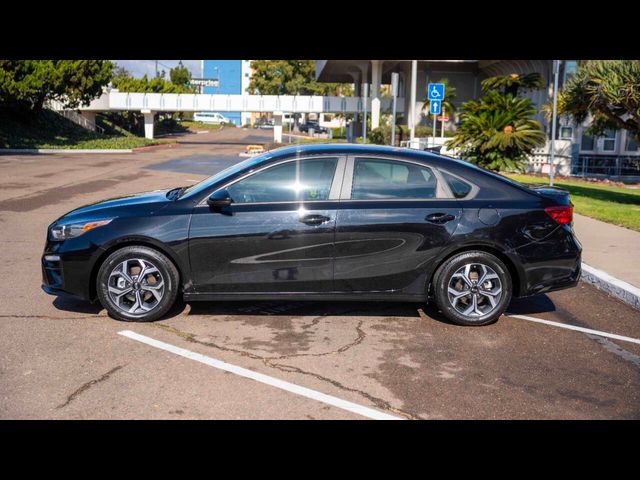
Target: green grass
(616, 205)
(50, 130)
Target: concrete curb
(31, 151)
(612, 285)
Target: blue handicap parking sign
(435, 91)
(435, 107)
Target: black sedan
(315, 126)
(321, 222)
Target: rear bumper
(552, 264)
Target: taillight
(561, 214)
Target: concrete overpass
(151, 103)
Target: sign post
(556, 67)
(435, 94)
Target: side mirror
(219, 199)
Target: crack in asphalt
(51, 317)
(85, 386)
(269, 362)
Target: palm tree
(497, 132)
(510, 84)
(447, 102)
(609, 91)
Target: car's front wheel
(137, 284)
(472, 288)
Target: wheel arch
(130, 242)
(516, 275)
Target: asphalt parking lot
(62, 358)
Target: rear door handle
(439, 218)
(315, 219)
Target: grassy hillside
(50, 130)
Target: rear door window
(375, 179)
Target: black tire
(165, 268)
(444, 276)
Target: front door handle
(439, 218)
(314, 219)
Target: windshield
(207, 182)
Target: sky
(138, 68)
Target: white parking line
(266, 379)
(579, 329)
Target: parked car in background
(323, 223)
(304, 127)
(263, 123)
(210, 117)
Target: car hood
(150, 202)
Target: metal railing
(74, 116)
(609, 165)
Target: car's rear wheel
(137, 284)
(472, 288)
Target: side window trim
(336, 181)
(443, 192)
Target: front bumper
(67, 270)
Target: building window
(570, 67)
(631, 144)
(609, 142)
(566, 133)
(587, 143)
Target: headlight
(64, 232)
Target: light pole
(412, 106)
(364, 125)
(394, 93)
(556, 68)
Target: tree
(123, 81)
(497, 131)
(608, 90)
(288, 77)
(180, 75)
(28, 84)
(127, 83)
(512, 84)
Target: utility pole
(394, 92)
(412, 106)
(556, 68)
(364, 125)
(156, 68)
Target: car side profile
(321, 222)
(210, 117)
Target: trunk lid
(558, 195)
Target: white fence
(174, 102)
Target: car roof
(359, 149)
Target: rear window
(459, 188)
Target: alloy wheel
(136, 286)
(474, 290)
